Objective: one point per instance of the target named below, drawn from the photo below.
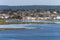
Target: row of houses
(4, 16)
(28, 18)
(30, 15)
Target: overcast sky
(29, 2)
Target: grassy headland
(25, 23)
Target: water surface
(46, 32)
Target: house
(4, 16)
(42, 18)
(58, 17)
(29, 18)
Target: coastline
(6, 23)
(19, 28)
(27, 23)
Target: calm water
(46, 32)
(43, 7)
(30, 20)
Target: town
(30, 14)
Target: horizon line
(29, 5)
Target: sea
(45, 32)
(28, 7)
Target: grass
(25, 23)
(2, 21)
(18, 28)
(12, 28)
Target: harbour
(47, 32)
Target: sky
(29, 2)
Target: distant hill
(44, 7)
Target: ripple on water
(46, 32)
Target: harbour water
(32, 20)
(46, 32)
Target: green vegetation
(12, 29)
(19, 28)
(25, 23)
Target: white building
(4, 16)
(58, 17)
(33, 18)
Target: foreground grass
(19, 28)
(25, 23)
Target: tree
(19, 17)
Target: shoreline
(19, 28)
(27, 23)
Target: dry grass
(25, 23)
